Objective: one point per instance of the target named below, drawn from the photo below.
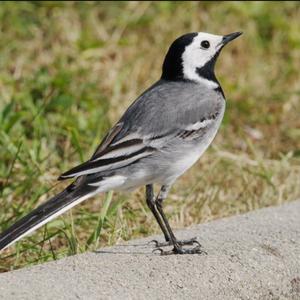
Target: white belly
(190, 155)
(165, 167)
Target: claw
(196, 242)
(156, 243)
(158, 249)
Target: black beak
(229, 37)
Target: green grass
(69, 70)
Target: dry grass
(69, 70)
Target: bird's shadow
(128, 249)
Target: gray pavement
(252, 256)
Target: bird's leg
(177, 245)
(151, 204)
(159, 200)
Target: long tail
(54, 207)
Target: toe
(155, 242)
(159, 250)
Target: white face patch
(195, 56)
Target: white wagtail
(160, 136)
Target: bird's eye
(205, 44)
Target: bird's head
(193, 56)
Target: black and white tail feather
(160, 136)
(54, 207)
(88, 181)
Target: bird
(158, 138)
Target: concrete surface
(253, 256)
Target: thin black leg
(159, 200)
(151, 204)
(173, 241)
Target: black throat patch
(208, 72)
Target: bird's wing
(183, 110)
(112, 155)
(107, 139)
(163, 113)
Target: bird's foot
(191, 241)
(178, 249)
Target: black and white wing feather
(164, 113)
(112, 155)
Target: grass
(69, 70)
